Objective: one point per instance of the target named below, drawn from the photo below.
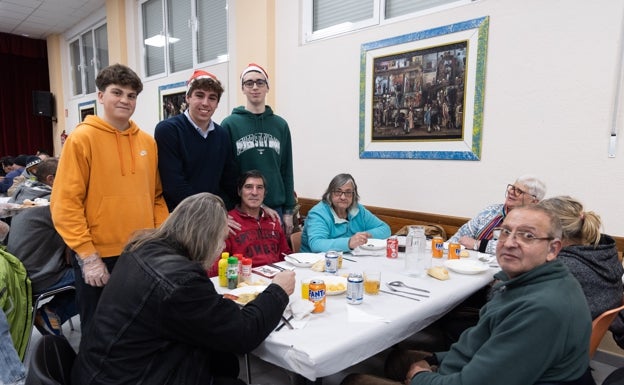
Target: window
(88, 55)
(182, 34)
(325, 18)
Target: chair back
(295, 241)
(600, 326)
(51, 362)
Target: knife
(400, 295)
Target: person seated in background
(34, 240)
(7, 165)
(19, 163)
(339, 222)
(161, 321)
(260, 237)
(476, 234)
(28, 176)
(591, 257)
(534, 330)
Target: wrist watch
(475, 245)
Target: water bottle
(416, 251)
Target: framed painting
(172, 99)
(86, 108)
(421, 94)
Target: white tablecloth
(330, 343)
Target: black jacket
(160, 321)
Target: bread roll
(439, 272)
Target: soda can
(453, 250)
(392, 247)
(437, 247)
(331, 262)
(355, 289)
(317, 295)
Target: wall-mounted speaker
(43, 103)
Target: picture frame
(421, 94)
(86, 108)
(171, 99)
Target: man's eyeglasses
(260, 83)
(340, 193)
(522, 237)
(511, 189)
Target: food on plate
(257, 282)
(439, 272)
(334, 287)
(242, 299)
(319, 266)
(464, 254)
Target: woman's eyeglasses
(340, 193)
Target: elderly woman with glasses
(476, 234)
(339, 222)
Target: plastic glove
(288, 224)
(94, 270)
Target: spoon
(403, 291)
(291, 257)
(401, 284)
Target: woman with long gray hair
(160, 319)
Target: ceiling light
(160, 40)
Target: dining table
(344, 334)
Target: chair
(37, 299)
(52, 362)
(295, 241)
(600, 326)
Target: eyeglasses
(260, 83)
(340, 193)
(517, 192)
(522, 237)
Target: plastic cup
(305, 288)
(372, 282)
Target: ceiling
(38, 19)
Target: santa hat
(253, 67)
(199, 74)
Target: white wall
(550, 86)
(549, 94)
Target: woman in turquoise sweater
(339, 222)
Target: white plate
(374, 244)
(306, 259)
(466, 266)
(246, 290)
(333, 280)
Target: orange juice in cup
(372, 282)
(305, 288)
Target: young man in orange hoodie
(107, 186)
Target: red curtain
(23, 69)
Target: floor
(265, 373)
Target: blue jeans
(12, 370)
(64, 304)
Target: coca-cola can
(392, 247)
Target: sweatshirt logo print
(143, 153)
(259, 141)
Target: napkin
(300, 310)
(356, 315)
(374, 253)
